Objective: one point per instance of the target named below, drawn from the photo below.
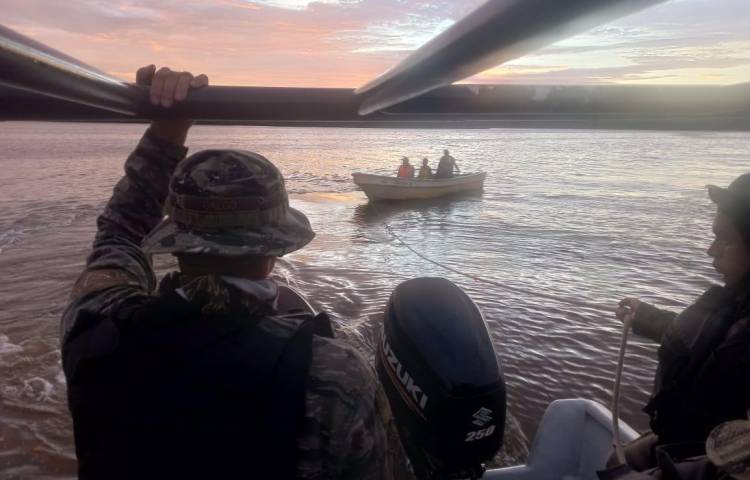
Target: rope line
(615, 406)
(478, 278)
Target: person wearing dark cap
(703, 375)
(203, 377)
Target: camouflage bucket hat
(228, 202)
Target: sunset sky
(344, 43)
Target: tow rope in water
(478, 278)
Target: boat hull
(573, 441)
(380, 187)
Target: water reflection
(377, 212)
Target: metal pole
(498, 31)
(30, 65)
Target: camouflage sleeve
(365, 439)
(344, 434)
(117, 268)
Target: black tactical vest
(163, 392)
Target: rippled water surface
(570, 221)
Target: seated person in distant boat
(425, 171)
(703, 375)
(406, 169)
(201, 376)
(446, 166)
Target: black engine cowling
(442, 378)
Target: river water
(570, 221)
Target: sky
(345, 43)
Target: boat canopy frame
(40, 83)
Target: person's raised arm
(117, 269)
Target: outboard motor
(442, 378)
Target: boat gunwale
(361, 180)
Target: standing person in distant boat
(406, 169)
(425, 171)
(201, 376)
(446, 166)
(703, 375)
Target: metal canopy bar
(37, 69)
(498, 31)
(215, 103)
(457, 106)
(494, 33)
(83, 93)
(30, 65)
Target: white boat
(381, 187)
(573, 441)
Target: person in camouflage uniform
(202, 377)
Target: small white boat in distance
(381, 187)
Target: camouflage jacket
(344, 433)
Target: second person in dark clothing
(703, 376)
